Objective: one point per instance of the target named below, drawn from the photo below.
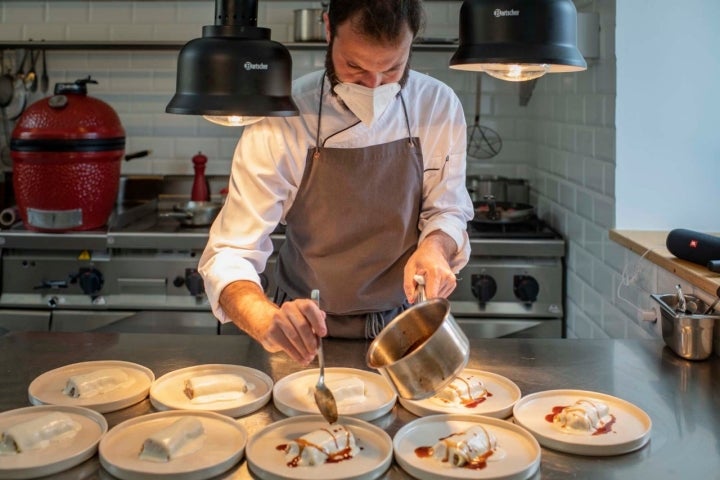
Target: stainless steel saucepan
(422, 350)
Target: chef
(369, 181)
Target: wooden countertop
(651, 245)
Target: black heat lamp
(234, 75)
(518, 40)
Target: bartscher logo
(506, 13)
(255, 66)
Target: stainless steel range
(514, 283)
(139, 275)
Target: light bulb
(516, 72)
(232, 120)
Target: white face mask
(367, 103)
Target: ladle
(323, 396)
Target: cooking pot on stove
(492, 211)
(478, 186)
(66, 151)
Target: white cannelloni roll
(346, 390)
(216, 386)
(583, 417)
(97, 382)
(38, 433)
(180, 438)
(464, 389)
(332, 444)
(472, 446)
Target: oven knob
(526, 288)
(194, 282)
(484, 287)
(91, 280)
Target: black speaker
(696, 247)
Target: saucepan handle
(420, 280)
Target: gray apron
(351, 230)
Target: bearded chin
(332, 75)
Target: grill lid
(70, 120)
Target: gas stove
(143, 263)
(514, 281)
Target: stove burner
(533, 227)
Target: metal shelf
(159, 46)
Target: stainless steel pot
(481, 185)
(194, 214)
(421, 351)
(309, 25)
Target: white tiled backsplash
(139, 84)
(562, 141)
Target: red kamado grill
(66, 151)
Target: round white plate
(59, 455)
(293, 395)
(223, 446)
(268, 462)
(521, 459)
(167, 392)
(504, 394)
(630, 431)
(47, 389)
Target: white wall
(667, 114)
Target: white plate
(167, 392)
(47, 389)
(505, 394)
(521, 451)
(266, 461)
(293, 395)
(223, 446)
(630, 431)
(57, 456)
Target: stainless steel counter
(680, 396)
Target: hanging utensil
(7, 84)
(323, 396)
(44, 79)
(31, 79)
(483, 142)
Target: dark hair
(378, 19)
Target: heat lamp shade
(518, 32)
(224, 75)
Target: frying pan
(490, 211)
(194, 214)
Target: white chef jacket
(269, 162)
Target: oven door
(477, 327)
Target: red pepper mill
(200, 188)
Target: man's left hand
(431, 261)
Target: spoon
(682, 304)
(323, 396)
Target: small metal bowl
(688, 334)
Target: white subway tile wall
(562, 140)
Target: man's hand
(431, 260)
(291, 328)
